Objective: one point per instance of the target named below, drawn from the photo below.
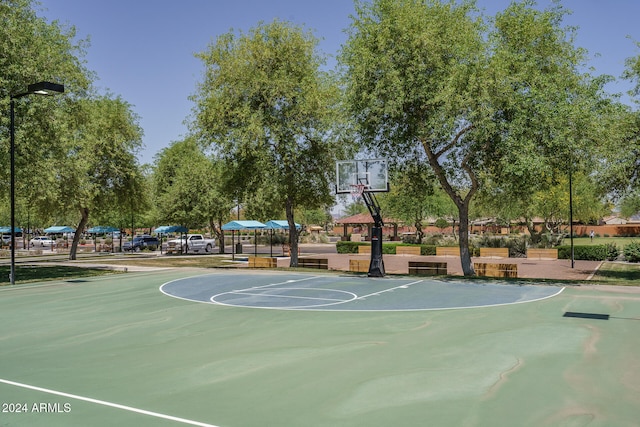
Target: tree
(79, 155)
(189, 188)
(413, 196)
(33, 50)
(356, 207)
(485, 100)
(619, 170)
(96, 167)
(630, 204)
(270, 113)
(319, 216)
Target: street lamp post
(42, 88)
(571, 218)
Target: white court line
(104, 403)
(286, 282)
(391, 289)
(286, 296)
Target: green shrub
(348, 247)
(611, 250)
(427, 249)
(632, 251)
(589, 253)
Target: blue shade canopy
(7, 230)
(280, 225)
(243, 225)
(59, 229)
(171, 229)
(101, 229)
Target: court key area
(349, 293)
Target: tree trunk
(419, 231)
(461, 202)
(293, 234)
(217, 230)
(463, 235)
(84, 219)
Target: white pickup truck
(194, 243)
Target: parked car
(194, 243)
(139, 243)
(41, 242)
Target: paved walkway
(398, 264)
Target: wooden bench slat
(448, 251)
(424, 268)
(321, 263)
(262, 262)
(407, 250)
(359, 265)
(542, 253)
(495, 270)
(364, 249)
(494, 252)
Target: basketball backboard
(372, 173)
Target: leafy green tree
(484, 99)
(356, 207)
(619, 170)
(413, 196)
(134, 207)
(632, 73)
(96, 166)
(189, 188)
(33, 50)
(318, 216)
(270, 112)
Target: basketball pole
(376, 266)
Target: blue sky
(143, 50)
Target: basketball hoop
(357, 190)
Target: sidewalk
(399, 264)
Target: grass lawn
(33, 273)
(168, 261)
(586, 241)
(613, 273)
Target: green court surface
(116, 350)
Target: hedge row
(589, 253)
(608, 251)
(387, 248)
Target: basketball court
(244, 349)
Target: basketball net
(357, 190)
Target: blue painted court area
(349, 293)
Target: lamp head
(45, 88)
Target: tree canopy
(498, 99)
(74, 152)
(269, 111)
